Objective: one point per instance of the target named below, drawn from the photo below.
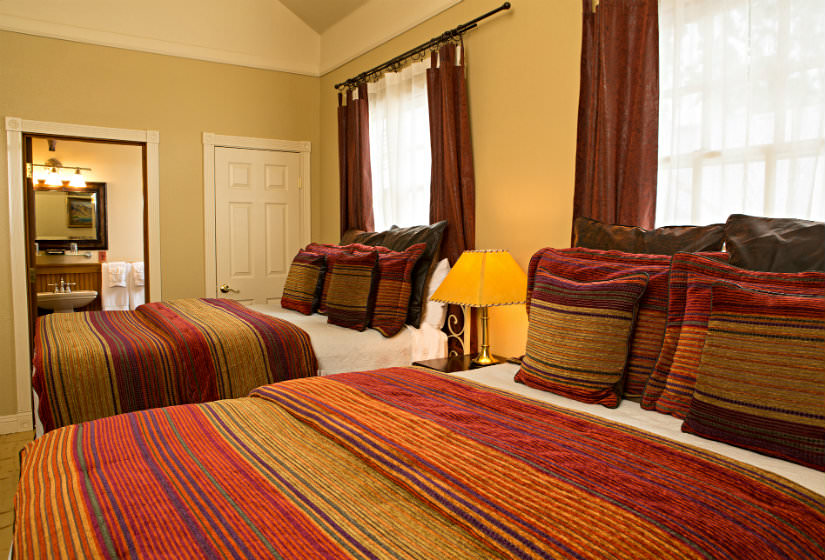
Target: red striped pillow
(392, 298)
(670, 387)
(350, 294)
(760, 383)
(328, 250)
(302, 289)
(589, 265)
(578, 336)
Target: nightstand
(453, 363)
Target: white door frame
(15, 128)
(212, 141)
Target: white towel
(117, 274)
(137, 273)
(137, 291)
(114, 297)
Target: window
(400, 147)
(742, 110)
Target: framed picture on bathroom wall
(80, 211)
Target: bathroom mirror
(66, 215)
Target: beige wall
(523, 76)
(120, 166)
(181, 98)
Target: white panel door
(257, 222)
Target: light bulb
(77, 182)
(53, 178)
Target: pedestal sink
(65, 303)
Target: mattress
(632, 414)
(339, 349)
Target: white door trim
(15, 128)
(212, 141)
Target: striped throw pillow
(761, 379)
(350, 295)
(302, 289)
(392, 297)
(589, 265)
(578, 336)
(670, 387)
(327, 250)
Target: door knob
(225, 289)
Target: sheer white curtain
(400, 147)
(742, 110)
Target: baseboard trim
(21, 422)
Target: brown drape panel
(452, 183)
(616, 151)
(354, 161)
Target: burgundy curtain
(616, 151)
(354, 161)
(452, 183)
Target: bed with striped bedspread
(396, 463)
(89, 365)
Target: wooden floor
(10, 446)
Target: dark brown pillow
(350, 235)
(667, 240)
(775, 244)
(400, 239)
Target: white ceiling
(321, 14)
(310, 37)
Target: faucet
(63, 287)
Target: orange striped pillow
(327, 250)
(578, 336)
(302, 289)
(350, 294)
(760, 383)
(670, 387)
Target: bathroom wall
(120, 166)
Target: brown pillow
(775, 244)
(350, 235)
(666, 240)
(401, 239)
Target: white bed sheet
(632, 414)
(339, 349)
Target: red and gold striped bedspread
(94, 364)
(396, 463)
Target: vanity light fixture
(53, 179)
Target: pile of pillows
(376, 280)
(731, 342)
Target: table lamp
(482, 279)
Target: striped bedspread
(396, 463)
(94, 364)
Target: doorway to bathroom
(21, 255)
(85, 203)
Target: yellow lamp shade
(483, 278)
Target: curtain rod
(443, 38)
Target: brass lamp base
(484, 358)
